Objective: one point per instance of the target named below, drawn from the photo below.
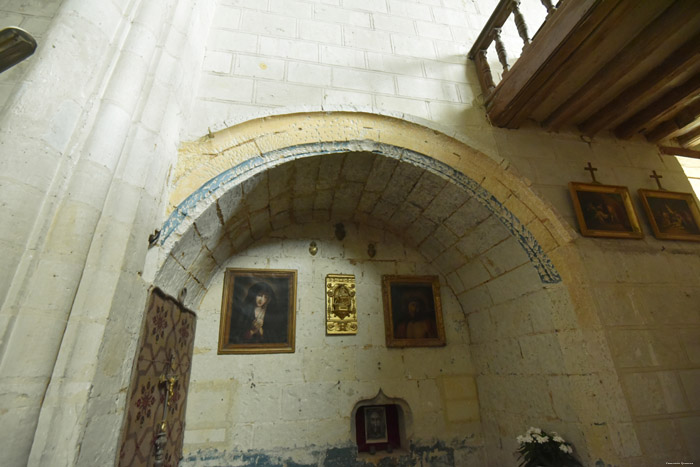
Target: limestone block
(226, 17)
(263, 403)
(319, 31)
(343, 57)
(227, 88)
(267, 24)
(644, 393)
(378, 364)
(478, 298)
(324, 433)
(208, 405)
(258, 67)
(689, 428)
(511, 320)
(307, 73)
(361, 80)
(690, 380)
(414, 107)
(332, 14)
(413, 46)
(210, 437)
(17, 442)
(519, 282)
(426, 89)
(360, 38)
(632, 348)
(310, 401)
(691, 344)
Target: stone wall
(297, 407)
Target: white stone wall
(34, 17)
(297, 405)
(397, 55)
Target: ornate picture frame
(672, 215)
(258, 311)
(605, 211)
(412, 311)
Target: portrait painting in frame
(605, 211)
(375, 424)
(258, 310)
(672, 215)
(412, 311)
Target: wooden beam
(644, 44)
(592, 41)
(669, 102)
(674, 151)
(684, 120)
(536, 59)
(690, 138)
(679, 62)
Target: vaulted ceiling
(625, 66)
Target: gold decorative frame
(412, 311)
(238, 333)
(672, 215)
(341, 306)
(605, 211)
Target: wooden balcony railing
(491, 35)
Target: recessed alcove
(381, 426)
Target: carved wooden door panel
(161, 377)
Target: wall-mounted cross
(592, 170)
(656, 177)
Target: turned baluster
(500, 49)
(520, 23)
(485, 71)
(548, 5)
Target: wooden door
(162, 372)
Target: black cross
(591, 169)
(656, 177)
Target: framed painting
(605, 211)
(412, 311)
(258, 311)
(672, 215)
(375, 424)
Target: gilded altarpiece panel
(341, 308)
(161, 377)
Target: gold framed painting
(412, 311)
(672, 215)
(605, 211)
(258, 310)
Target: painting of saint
(672, 215)
(412, 312)
(258, 308)
(605, 211)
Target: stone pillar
(90, 137)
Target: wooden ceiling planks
(624, 66)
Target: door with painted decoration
(153, 429)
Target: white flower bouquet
(538, 448)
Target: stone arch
(217, 172)
(217, 162)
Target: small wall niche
(381, 426)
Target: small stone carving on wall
(341, 308)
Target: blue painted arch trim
(235, 175)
